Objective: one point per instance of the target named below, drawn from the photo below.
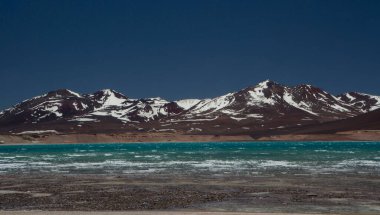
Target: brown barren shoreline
(360, 135)
(139, 213)
(187, 194)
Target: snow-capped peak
(264, 92)
(265, 84)
(108, 97)
(110, 92)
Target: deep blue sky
(186, 49)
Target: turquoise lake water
(186, 158)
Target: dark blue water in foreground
(185, 158)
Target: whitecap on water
(81, 155)
(273, 163)
(356, 163)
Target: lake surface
(243, 158)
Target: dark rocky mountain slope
(266, 106)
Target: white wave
(148, 156)
(320, 150)
(272, 163)
(82, 155)
(136, 171)
(355, 163)
(11, 165)
(39, 163)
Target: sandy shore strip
(176, 137)
(137, 213)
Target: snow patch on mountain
(339, 108)
(212, 105)
(238, 118)
(152, 108)
(74, 93)
(84, 119)
(54, 110)
(365, 102)
(34, 98)
(110, 99)
(253, 115)
(125, 109)
(229, 112)
(193, 120)
(351, 98)
(257, 96)
(186, 104)
(376, 105)
(301, 105)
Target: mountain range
(265, 108)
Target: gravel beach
(132, 213)
(274, 193)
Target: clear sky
(186, 49)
